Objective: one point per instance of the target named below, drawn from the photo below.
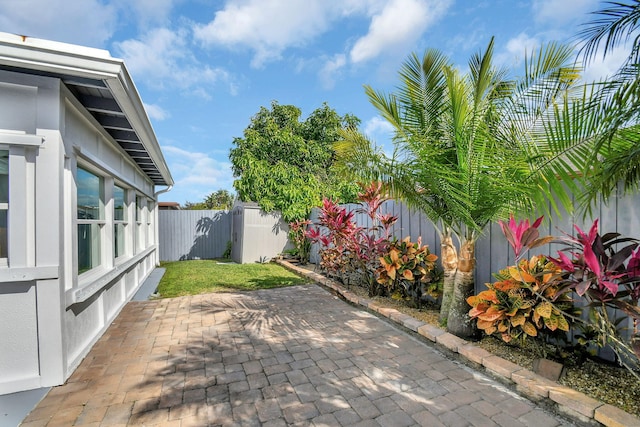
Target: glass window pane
(88, 247)
(4, 242)
(118, 239)
(89, 195)
(118, 203)
(4, 176)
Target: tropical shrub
(347, 250)
(336, 240)
(533, 297)
(527, 300)
(298, 236)
(407, 267)
(605, 270)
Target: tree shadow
(288, 355)
(207, 230)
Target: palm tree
(462, 149)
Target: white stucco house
(80, 171)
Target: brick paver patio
(289, 356)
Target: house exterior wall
(50, 315)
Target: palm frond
(614, 26)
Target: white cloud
(516, 49)
(267, 27)
(398, 24)
(83, 22)
(380, 131)
(599, 68)
(197, 173)
(331, 70)
(149, 12)
(162, 58)
(377, 125)
(156, 112)
(558, 12)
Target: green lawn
(202, 276)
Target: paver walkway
(289, 356)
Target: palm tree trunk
(459, 323)
(449, 260)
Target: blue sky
(204, 67)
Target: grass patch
(203, 276)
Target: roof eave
(71, 60)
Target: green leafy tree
(285, 164)
(218, 200)
(463, 150)
(191, 206)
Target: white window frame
(84, 286)
(139, 235)
(22, 148)
(149, 228)
(124, 222)
(4, 206)
(100, 222)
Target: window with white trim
(91, 219)
(150, 231)
(4, 206)
(119, 221)
(140, 241)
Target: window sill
(93, 282)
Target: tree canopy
(286, 164)
(218, 200)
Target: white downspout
(155, 222)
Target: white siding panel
(18, 332)
(18, 105)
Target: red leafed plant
(602, 269)
(348, 250)
(337, 240)
(605, 269)
(298, 236)
(522, 236)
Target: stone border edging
(568, 401)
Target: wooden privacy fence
(493, 253)
(254, 236)
(192, 234)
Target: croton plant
(525, 301)
(534, 296)
(407, 267)
(528, 299)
